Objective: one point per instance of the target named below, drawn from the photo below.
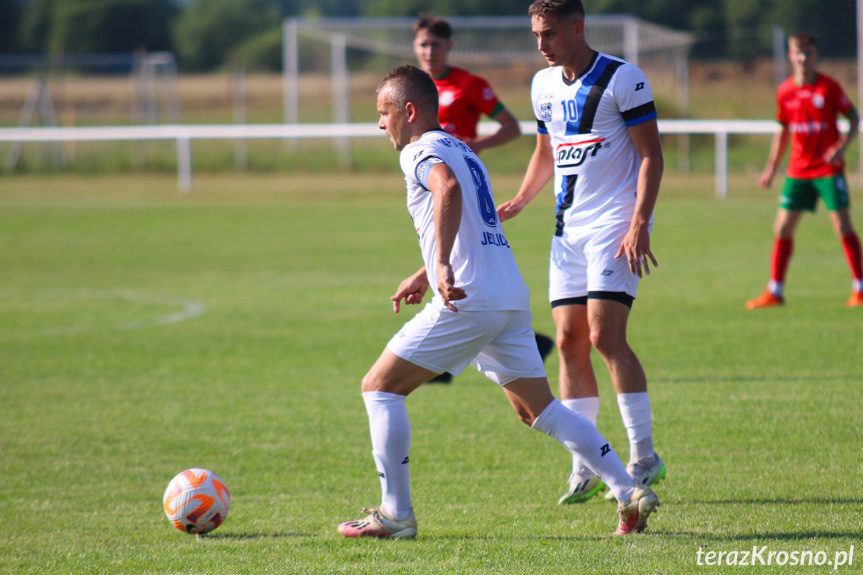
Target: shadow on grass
(257, 536)
(753, 378)
(785, 536)
(538, 538)
(789, 501)
(700, 537)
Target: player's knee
(783, 231)
(369, 383)
(783, 227)
(843, 227)
(573, 343)
(607, 342)
(525, 417)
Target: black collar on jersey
(583, 72)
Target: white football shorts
(584, 262)
(499, 344)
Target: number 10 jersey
(595, 162)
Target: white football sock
(391, 441)
(857, 285)
(580, 436)
(776, 288)
(635, 411)
(587, 407)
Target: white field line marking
(189, 309)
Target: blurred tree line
(208, 34)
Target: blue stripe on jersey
(639, 114)
(642, 120)
(564, 201)
(573, 128)
(591, 105)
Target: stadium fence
(183, 135)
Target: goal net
(501, 49)
(479, 43)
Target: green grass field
(143, 332)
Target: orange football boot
(766, 299)
(855, 299)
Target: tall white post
(341, 83)
(721, 165)
(291, 66)
(779, 70)
(184, 164)
(630, 40)
(241, 117)
(683, 149)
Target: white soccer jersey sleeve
(482, 260)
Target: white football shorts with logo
(499, 344)
(584, 262)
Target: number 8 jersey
(482, 261)
(595, 163)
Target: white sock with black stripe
(391, 441)
(581, 437)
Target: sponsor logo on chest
(576, 154)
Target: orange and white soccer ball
(196, 501)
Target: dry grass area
(723, 90)
(717, 90)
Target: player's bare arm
(509, 130)
(412, 290)
(636, 243)
(446, 190)
(539, 171)
(778, 144)
(837, 151)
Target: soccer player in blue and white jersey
(463, 98)
(598, 137)
(479, 315)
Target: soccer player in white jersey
(479, 314)
(598, 137)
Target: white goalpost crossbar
(183, 135)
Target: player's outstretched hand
(834, 154)
(636, 247)
(446, 287)
(412, 290)
(508, 210)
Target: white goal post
(480, 41)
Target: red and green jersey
(810, 112)
(463, 97)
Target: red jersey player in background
(808, 105)
(463, 98)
